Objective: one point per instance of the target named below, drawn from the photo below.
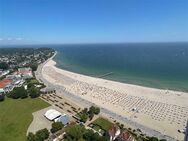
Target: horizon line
(85, 43)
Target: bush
(2, 97)
(121, 126)
(129, 129)
(56, 126)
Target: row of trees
(85, 114)
(20, 92)
(40, 135)
(79, 133)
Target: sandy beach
(165, 111)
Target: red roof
(4, 82)
(125, 136)
(25, 71)
(112, 131)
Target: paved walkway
(39, 121)
(90, 121)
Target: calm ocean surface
(159, 65)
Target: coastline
(114, 96)
(161, 68)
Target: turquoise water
(159, 65)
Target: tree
(2, 97)
(81, 139)
(31, 137)
(4, 65)
(18, 92)
(74, 132)
(89, 135)
(56, 126)
(162, 139)
(34, 66)
(30, 85)
(153, 139)
(24, 94)
(91, 115)
(92, 109)
(95, 110)
(42, 134)
(34, 92)
(83, 117)
(85, 110)
(103, 138)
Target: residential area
(14, 58)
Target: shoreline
(162, 80)
(118, 94)
(125, 82)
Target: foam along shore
(165, 111)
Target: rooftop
(4, 82)
(52, 114)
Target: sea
(157, 65)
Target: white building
(52, 114)
(3, 73)
(2, 91)
(63, 118)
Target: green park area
(16, 116)
(103, 123)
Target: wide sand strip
(163, 110)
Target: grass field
(16, 116)
(33, 81)
(104, 123)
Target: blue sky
(92, 21)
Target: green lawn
(104, 123)
(33, 81)
(16, 116)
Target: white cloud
(9, 39)
(19, 39)
(1, 39)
